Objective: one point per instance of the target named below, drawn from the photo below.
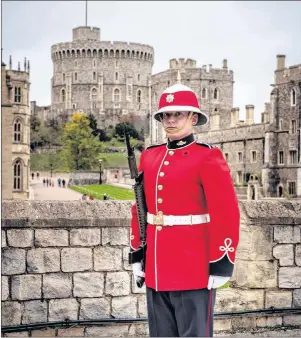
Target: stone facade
(72, 264)
(213, 87)
(15, 131)
(269, 150)
(109, 79)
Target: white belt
(169, 220)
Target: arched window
(138, 77)
(75, 63)
(64, 77)
(75, 76)
(94, 94)
(204, 93)
(17, 175)
(63, 95)
(293, 97)
(139, 96)
(215, 94)
(17, 131)
(94, 76)
(116, 95)
(116, 76)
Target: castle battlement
(182, 63)
(100, 49)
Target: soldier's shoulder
(155, 146)
(204, 144)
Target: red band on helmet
(184, 98)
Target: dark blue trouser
(180, 313)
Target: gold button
(160, 213)
(159, 228)
(160, 200)
(160, 187)
(166, 163)
(171, 153)
(161, 174)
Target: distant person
(59, 181)
(38, 175)
(47, 182)
(91, 198)
(44, 181)
(64, 182)
(32, 175)
(84, 197)
(52, 183)
(105, 197)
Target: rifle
(138, 255)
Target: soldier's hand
(215, 282)
(137, 271)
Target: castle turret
(86, 33)
(280, 62)
(234, 116)
(108, 79)
(249, 114)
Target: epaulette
(156, 145)
(204, 144)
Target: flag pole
(86, 13)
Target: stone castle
(266, 154)
(15, 131)
(114, 80)
(108, 79)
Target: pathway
(39, 192)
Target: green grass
(117, 160)
(97, 191)
(41, 162)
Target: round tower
(105, 78)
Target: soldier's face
(178, 124)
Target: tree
(92, 121)
(35, 123)
(80, 146)
(119, 130)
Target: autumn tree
(80, 147)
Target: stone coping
(18, 213)
(271, 212)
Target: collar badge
(181, 143)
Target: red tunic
(191, 179)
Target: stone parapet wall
(68, 260)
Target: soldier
(192, 222)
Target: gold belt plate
(159, 219)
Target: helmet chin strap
(176, 130)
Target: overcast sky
(248, 34)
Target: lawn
(97, 191)
(41, 162)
